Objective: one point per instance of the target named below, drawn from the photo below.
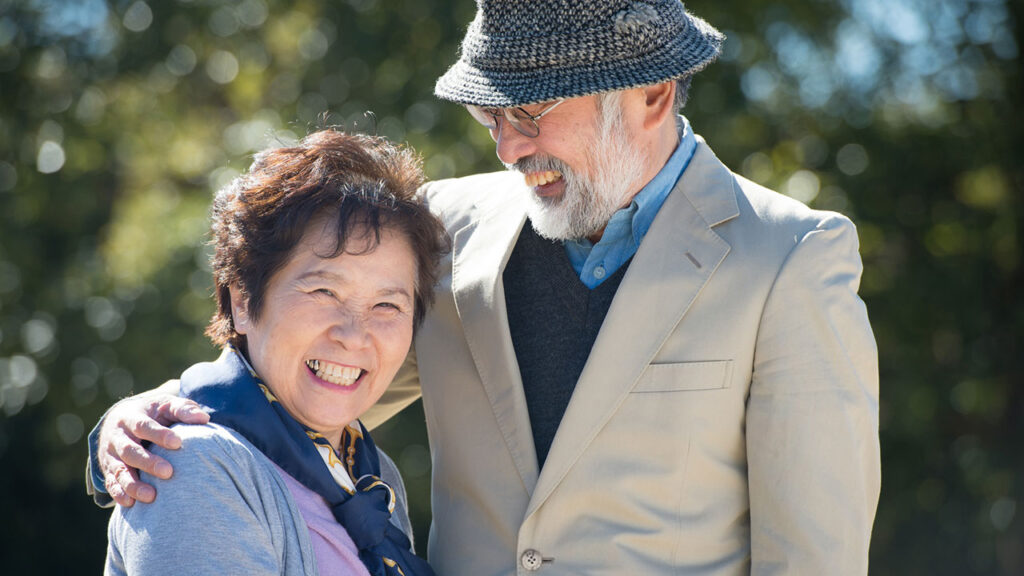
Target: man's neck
(660, 149)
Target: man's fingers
(153, 431)
(128, 480)
(183, 410)
(117, 493)
(126, 427)
(119, 464)
(138, 458)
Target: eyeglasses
(524, 122)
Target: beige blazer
(725, 422)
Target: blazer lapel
(480, 253)
(676, 258)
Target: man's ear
(659, 103)
(239, 310)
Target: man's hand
(131, 421)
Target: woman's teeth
(340, 375)
(534, 179)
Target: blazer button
(531, 560)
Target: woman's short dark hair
(363, 184)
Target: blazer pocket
(683, 376)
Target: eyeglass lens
(523, 123)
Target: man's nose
(510, 145)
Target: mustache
(539, 164)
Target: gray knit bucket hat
(519, 52)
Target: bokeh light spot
(852, 159)
(252, 13)
(758, 167)
(222, 67)
(91, 106)
(138, 17)
(181, 60)
(22, 371)
(421, 117)
(52, 63)
(759, 83)
(70, 428)
(313, 44)
(37, 335)
(987, 188)
(803, 185)
(1002, 512)
(50, 158)
(224, 22)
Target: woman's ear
(239, 310)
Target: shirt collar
(630, 224)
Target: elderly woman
(324, 264)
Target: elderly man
(639, 362)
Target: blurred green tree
(118, 119)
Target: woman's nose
(350, 330)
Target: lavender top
(229, 510)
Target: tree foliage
(118, 119)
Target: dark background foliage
(118, 119)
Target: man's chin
(554, 226)
(549, 225)
(561, 217)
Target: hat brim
(464, 83)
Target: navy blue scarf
(237, 399)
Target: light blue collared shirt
(627, 227)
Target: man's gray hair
(608, 102)
(682, 91)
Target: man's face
(582, 167)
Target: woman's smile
(335, 374)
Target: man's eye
(324, 291)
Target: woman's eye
(388, 306)
(324, 291)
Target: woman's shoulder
(210, 438)
(221, 471)
(211, 448)
(210, 435)
(225, 504)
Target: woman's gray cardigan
(226, 510)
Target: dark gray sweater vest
(554, 319)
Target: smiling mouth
(334, 373)
(535, 179)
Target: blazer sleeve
(211, 517)
(403, 390)
(94, 485)
(812, 414)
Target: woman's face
(333, 332)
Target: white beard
(588, 200)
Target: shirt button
(599, 272)
(531, 560)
